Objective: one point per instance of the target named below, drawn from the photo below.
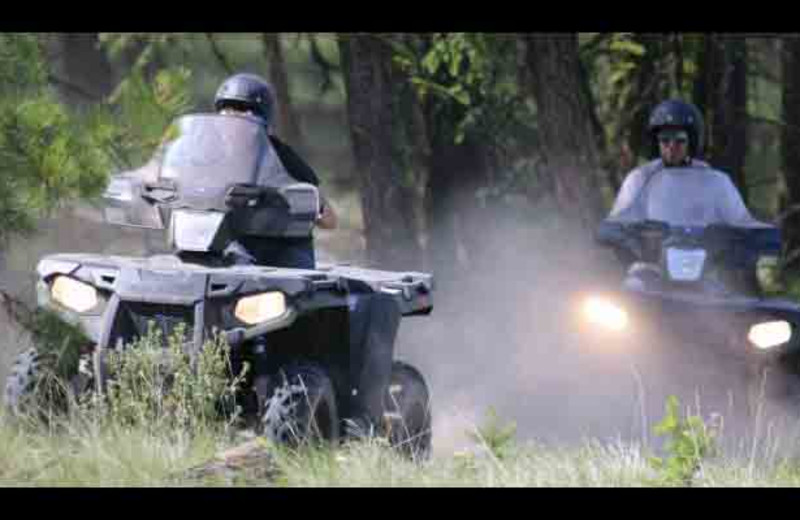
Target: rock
(250, 460)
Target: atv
(320, 341)
(699, 285)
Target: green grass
(370, 464)
(90, 455)
(82, 451)
(94, 456)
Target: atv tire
(407, 412)
(32, 386)
(301, 407)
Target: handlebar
(644, 239)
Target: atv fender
(375, 319)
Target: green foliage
(623, 44)
(146, 49)
(469, 87)
(497, 437)
(155, 385)
(169, 389)
(138, 113)
(22, 66)
(45, 158)
(689, 441)
(45, 154)
(58, 348)
(472, 78)
(58, 341)
(49, 155)
(460, 58)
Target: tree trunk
(608, 161)
(729, 113)
(79, 68)
(376, 92)
(570, 156)
(722, 95)
(677, 51)
(651, 88)
(790, 147)
(702, 83)
(287, 122)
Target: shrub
(689, 441)
(170, 388)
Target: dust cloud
(506, 334)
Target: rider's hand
(327, 218)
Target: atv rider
(370, 316)
(678, 188)
(249, 95)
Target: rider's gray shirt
(693, 195)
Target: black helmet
(676, 113)
(246, 92)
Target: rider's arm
(731, 205)
(628, 192)
(301, 171)
(294, 164)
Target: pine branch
(327, 68)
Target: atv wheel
(407, 412)
(301, 407)
(33, 386)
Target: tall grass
(160, 414)
(91, 454)
(161, 420)
(86, 453)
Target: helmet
(676, 113)
(246, 92)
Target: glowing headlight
(261, 307)
(602, 312)
(75, 295)
(770, 334)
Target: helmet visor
(675, 136)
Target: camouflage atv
(320, 342)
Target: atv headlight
(75, 295)
(770, 334)
(195, 230)
(603, 312)
(260, 307)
